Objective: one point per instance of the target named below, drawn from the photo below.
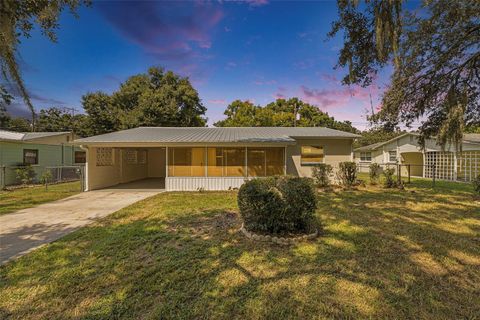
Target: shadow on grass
(384, 254)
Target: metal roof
(26, 136)
(216, 135)
(370, 147)
(472, 137)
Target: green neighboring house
(38, 149)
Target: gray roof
(370, 147)
(472, 137)
(26, 136)
(216, 135)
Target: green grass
(384, 254)
(31, 196)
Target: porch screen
(226, 162)
(186, 162)
(265, 162)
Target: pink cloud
(256, 3)
(334, 98)
(264, 82)
(170, 31)
(218, 101)
(329, 78)
(279, 95)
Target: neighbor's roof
(215, 135)
(467, 138)
(27, 136)
(370, 147)
(472, 137)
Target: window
(265, 162)
(366, 156)
(80, 157)
(392, 156)
(311, 155)
(30, 156)
(104, 157)
(186, 162)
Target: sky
(255, 50)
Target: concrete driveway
(28, 229)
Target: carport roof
(215, 135)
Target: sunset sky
(256, 50)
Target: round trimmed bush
(278, 205)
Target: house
(38, 149)
(210, 158)
(447, 164)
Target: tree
(18, 124)
(436, 56)
(280, 113)
(58, 120)
(240, 114)
(5, 100)
(375, 135)
(157, 98)
(17, 19)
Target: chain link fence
(17, 176)
(433, 172)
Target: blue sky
(256, 50)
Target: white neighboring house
(447, 164)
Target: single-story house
(196, 158)
(38, 149)
(447, 164)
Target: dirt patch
(209, 224)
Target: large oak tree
(435, 52)
(280, 113)
(156, 98)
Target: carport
(130, 167)
(414, 161)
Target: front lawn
(384, 254)
(31, 196)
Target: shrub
(321, 174)
(347, 173)
(46, 178)
(476, 184)
(374, 172)
(25, 174)
(389, 180)
(278, 205)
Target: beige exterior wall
(415, 159)
(102, 176)
(336, 151)
(131, 172)
(157, 163)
